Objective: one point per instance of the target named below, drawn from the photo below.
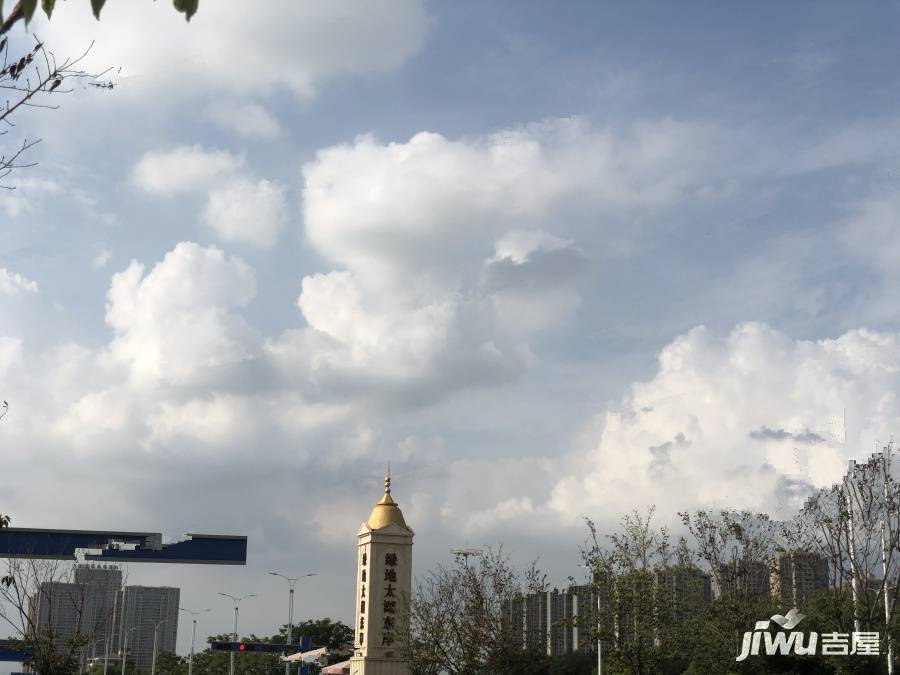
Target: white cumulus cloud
(247, 120)
(176, 322)
(247, 211)
(296, 43)
(749, 419)
(12, 283)
(181, 170)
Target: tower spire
(386, 510)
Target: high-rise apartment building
(621, 608)
(84, 607)
(102, 585)
(552, 622)
(682, 592)
(797, 576)
(744, 579)
(143, 609)
(96, 605)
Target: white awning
(307, 657)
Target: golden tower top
(386, 511)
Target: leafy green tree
(168, 663)
(24, 10)
(335, 635)
(54, 650)
(573, 663)
(459, 618)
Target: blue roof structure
(117, 546)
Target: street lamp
(125, 646)
(193, 636)
(290, 634)
(236, 601)
(85, 661)
(153, 662)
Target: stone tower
(383, 590)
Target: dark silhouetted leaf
(96, 6)
(187, 7)
(47, 6)
(28, 7)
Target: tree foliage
(24, 10)
(336, 635)
(40, 589)
(458, 615)
(32, 77)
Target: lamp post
(599, 637)
(193, 636)
(290, 634)
(109, 633)
(153, 661)
(125, 646)
(237, 602)
(85, 660)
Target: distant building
(557, 622)
(536, 623)
(143, 608)
(95, 604)
(797, 576)
(514, 619)
(561, 612)
(55, 610)
(102, 584)
(85, 606)
(584, 611)
(682, 592)
(552, 622)
(744, 579)
(635, 606)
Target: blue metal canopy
(115, 546)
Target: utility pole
(290, 635)
(886, 469)
(125, 647)
(193, 636)
(887, 604)
(851, 546)
(153, 661)
(109, 631)
(595, 579)
(599, 636)
(237, 602)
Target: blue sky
(550, 260)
